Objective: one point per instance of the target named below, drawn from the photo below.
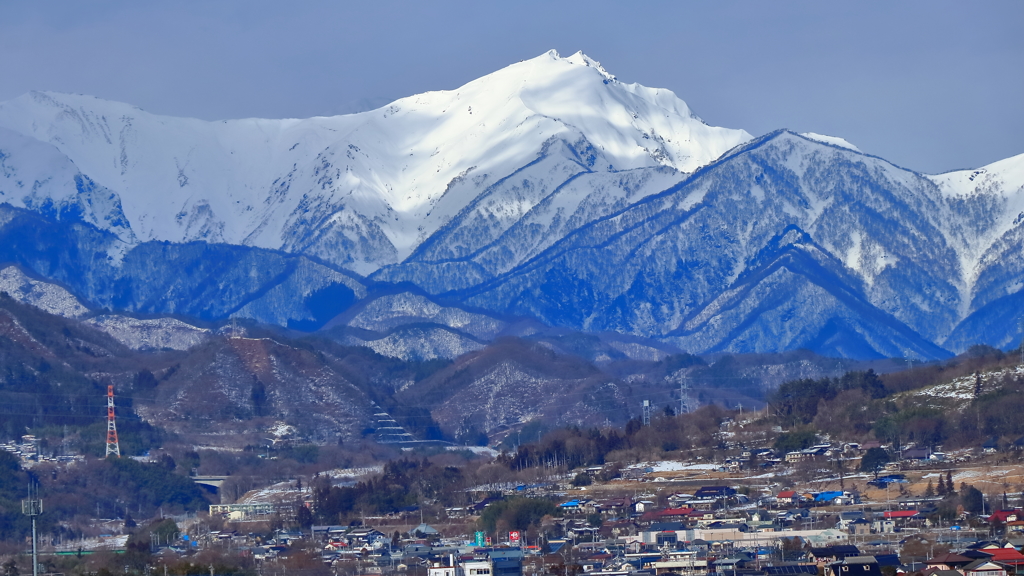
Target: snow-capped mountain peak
(363, 190)
(547, 189)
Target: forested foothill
(334, 469)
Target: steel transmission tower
(112, 445)
(32, 508)
(647, 413)
(684, 396)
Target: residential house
(918, 454)
(572, 505)
(682, 561)
(1005, 516)
(930, 572)
(948, 561)
(854, 566)
(713, 493)
(786, 497)
(616, 506)
(833, 497)
(711, 497)
(663, 533)
(831, 554)
(1005, 556)
(903, 518)
(678, 499)
(667, 515)
(477, 566)
(506, 561)
(983, 568)
(643, 506)
(794, 457)
(859, 527)
(829, 537)
(442, 569)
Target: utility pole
(113, 447)
(32, 508)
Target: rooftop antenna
(32, 508)
(113, 447)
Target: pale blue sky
(931, 85)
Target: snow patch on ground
(833, 140)
(280, 429)
(43, 295)
(279, 492)
(151, 334)
(354, 472)
(963, 388)
(673, 466)
(479, 450)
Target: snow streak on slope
(151, 334)
(37, 176)
(42, 295)
(987, 229)
(361, 190)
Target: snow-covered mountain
(547, 190)
(362, 190)
(785, 242)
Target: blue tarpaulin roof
(826, 496)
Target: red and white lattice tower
(112, 446)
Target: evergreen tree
(949, 481)
(259, 398)
(942, 486)
(930, 490)
(304, 517)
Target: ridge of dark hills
(231, 389)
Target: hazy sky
(930, 85)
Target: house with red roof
(668, 514)
(1007, 556)
(787, 497)
(1005, 516)
(904, 518)
(894, 514)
